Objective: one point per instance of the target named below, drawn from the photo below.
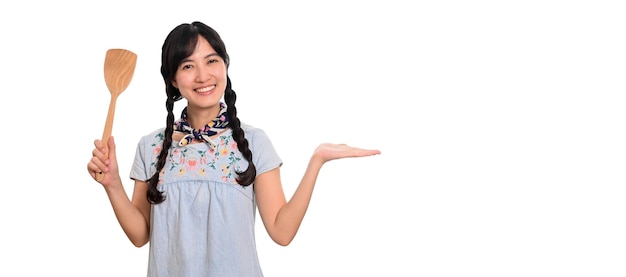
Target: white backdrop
(501, 128)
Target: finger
(99, 157)
(370, 152)
(96, 165)
(111, 144)
(98, 162)
(91, 172)
(360, 152)
(98, 144)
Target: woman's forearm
(292, 213)
(131, 219)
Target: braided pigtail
(247, 176)
(180, 44)
(154, 195)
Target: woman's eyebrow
(206, 57)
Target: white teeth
(205, 89)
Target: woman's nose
(203, 74)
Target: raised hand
(100, 163)
(331, 151)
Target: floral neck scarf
(215, 126)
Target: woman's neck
(200, 117)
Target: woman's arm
(281, 218)
(133, 216)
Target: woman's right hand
(100, 163)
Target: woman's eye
(187, 66)
(213, 61)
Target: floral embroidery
(156, 150)
(189, 161)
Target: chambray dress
(205, 226)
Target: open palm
(331, 151)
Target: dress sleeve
(139, 171)
(144, 164)
(264, 154)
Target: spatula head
(119, 67)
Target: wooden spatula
(119, 67)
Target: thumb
(111, 144)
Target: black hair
(180, 44)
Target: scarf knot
(204, 134)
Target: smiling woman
(500, 123)
(199, 179)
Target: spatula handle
(108, 128)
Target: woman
(199, 179)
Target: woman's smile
(205, 90)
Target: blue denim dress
(206, 225)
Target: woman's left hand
(331, 151)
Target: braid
(179, 44)
(154, 195)
(246, 177)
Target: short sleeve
(264, 154)
(143, 165)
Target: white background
(501, 126)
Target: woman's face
(201, 77)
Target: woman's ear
(174, 84)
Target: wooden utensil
(119, 67)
